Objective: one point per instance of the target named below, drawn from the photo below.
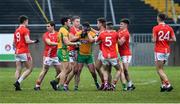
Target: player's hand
(36, 41)
(78, 43)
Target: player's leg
(119, 73)
(77, 78)
(160, 58)
(18, 70)
(27, 60)
(98, 66)
(41, 77)
(74, 69)
(92, 70)
(17, 75)
(126, 60)
(105, 73)
(63, 75)
(46, 63)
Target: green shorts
(88, 59)
(63, 55)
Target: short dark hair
(52, 23)
(64, 19)
(162, 16)
(75, 17)
(86, 26)
(109, 25)
(102, 20)
(125, 20)
(22, 18)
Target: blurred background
(142, 14)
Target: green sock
(124, 86)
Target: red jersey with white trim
(162, 33)
(19, 40)
(73, 31)
(50, 50)
(109, 40)
(124, 49)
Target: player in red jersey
(124, 50)
(50, 53)
(109, 57)
(162, 36)
(73, 51)
(101, 24)
(22, 53)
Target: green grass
(145, 78)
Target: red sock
(166, 82)
(114, 82)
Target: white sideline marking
(146, 83)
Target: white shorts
(109, 61)
(23, 57)
(126, 59)
(73, 56)
(51, 61)
(99, 55)
(161, 56)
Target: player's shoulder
(45, 34)
(63, 29)
(168, 26)
(72, 28)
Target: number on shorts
(163, 36)
(18, 37)
(108, 41)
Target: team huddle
(70, 48)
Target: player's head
(161, 17)
(23, 19)
(50, 26)
(124, 23)
(76, 21)
(101, 22)
(86, 26)
(66, 21)
(109, 25)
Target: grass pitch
(145, 79)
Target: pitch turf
(145, 79)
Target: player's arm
(49, 42)
(153, 38)
(173, 37)
(95, 31)
(67, 42)
(91, 39)
(29, 41)
(75, 37)
(13, 44)
(154, 35)
(121, 41)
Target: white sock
(129, 83)
(168, 85)
(65, 85)
(20, 79)
(37, 85)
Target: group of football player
(72, 47)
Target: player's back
(19, 40)
(163, 33)
(109, 40)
